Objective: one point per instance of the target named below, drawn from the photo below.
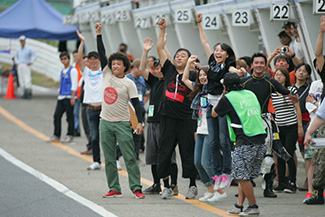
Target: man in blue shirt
(24, 57)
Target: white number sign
(319, 6)
(280, 12)
(183, 16)
(107, 19)
(241, 17)
(122, 16)
(210, 21)
(143, 23)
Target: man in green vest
(246, 129)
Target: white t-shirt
(117, 93)
(316, 89)
(74, 81)
(298, 49)
(93, 85)
(202, 123)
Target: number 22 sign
(280, 12)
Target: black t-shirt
(176, 104)
(263, 87)
(224, 107)
(156, 96)
(215, 74)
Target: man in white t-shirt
(66, 99)
(93, 78)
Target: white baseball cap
(22, 38)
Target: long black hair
(229, 50)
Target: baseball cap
(22, 38)
(93, 54)
(231, 79)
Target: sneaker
(236, 210)
(118, 165)
(154, 189)
(88, 152)
(167, 193)
(217, 182)
(217, 197)
(94, 166)
(175, 190)
(291, 188)
(251, 210)
(112, 193)
(191, 193)
(308, 196)
(138, 194)
(53, 139)
(225, 181)
(280, 188)
(68, 139)
(206, 196)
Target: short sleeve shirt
(117, 93)
(93, 85)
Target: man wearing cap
(66, 99)
(285, 39)
(24, 57)
(93, 78)
(243, 113)
(143, 94)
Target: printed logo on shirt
(176, 90)
(94, 77)
(110, 95)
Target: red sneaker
(138, 194)
(113, 193)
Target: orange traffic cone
(10, 89)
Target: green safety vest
(248, 110)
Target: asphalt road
(24, 127)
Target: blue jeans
(76, 112)
(93, 119)
(219, 141)
(203, 159)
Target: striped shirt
(285, 111)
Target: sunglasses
(156, 63)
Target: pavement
(51, 179)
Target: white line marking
(56, 185)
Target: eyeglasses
(279, 75)
(156, 63)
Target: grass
(37, 78)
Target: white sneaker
(118, 165)
(206, 196)
(217, 197)
(217, 182)
(167, 193)
(68, 139)
(225, 181)
(94, 166)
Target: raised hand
(162, 23)
(98, 27)
(322, 23)
(82, 38)
(192, 58)
(147, 44)
(199, 18)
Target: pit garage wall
(255, 29)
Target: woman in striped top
(288, 119)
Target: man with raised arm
(176, 126)
(93, 95)
(114, 124)
(155, 80)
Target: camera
(284, 49)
